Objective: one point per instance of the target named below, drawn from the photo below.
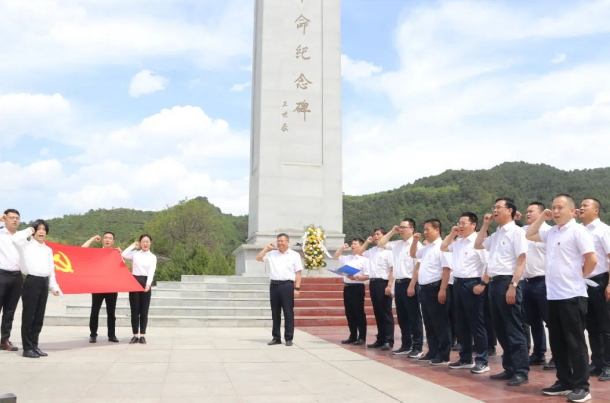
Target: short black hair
(435, 222)
(359, 240)
(599, 204)
(410, 221)
(471, 216)
(283, 234)
(108, 232)
(145, 236)
(540, 205)
(381, 229)
(40, 222)
(11, 210)
(568, 197)
(510, 203)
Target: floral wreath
(313, 248)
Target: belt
(535, 279)
(466, 280)
(10, 272)
(500, 278)
(281, 281)
(352, 284)
(598, 277)
(430, 286)
(402, 280)
(31, 275)
(377, 279)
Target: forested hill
(446, 195)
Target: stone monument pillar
(295, 158)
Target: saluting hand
(370, 239)
(3, 218)
(270, 246)
(454, 230)
(97, 238)
(136, 245)
(345, 246)
(547, 214)
(518, 216)
(417, 237)
(487, 219)
(396, 229)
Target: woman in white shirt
(143, 269)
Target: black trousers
(492, 340)
(139, 302)
(353, 300)
(436, 321)
(470, 315)
(508, 324)
(455, 336)
(536, 310)
(35, 295)
(10, 292)
(567, 321)
(409, 316)
(282, 299)
(96, 305)
(382, 307)
(598, 322)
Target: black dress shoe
(274, 342)
(605, 375)
(8, 346)
(348, 341)
(386, 347)
(536, 360)
(30, 354)
(375, 345)
(594, 371)
(142, 340)
(288, 343)
(113, 339)
(517, 380)
(40, 352)
(359, 342)
(93, 339)
(502, 376)
(134, 340)
(549, 365)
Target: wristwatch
(515, 284)
(483, 283)
(297, 288)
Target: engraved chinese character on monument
(301, 52)
(302, 82)
(302, 22)
(303, 107)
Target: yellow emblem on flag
(62, 263)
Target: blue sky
(139, 104)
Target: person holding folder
(354, 291)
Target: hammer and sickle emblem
(62, 263)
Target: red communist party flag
(91, 270)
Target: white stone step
(180, 311)
(166, 321)
(239, 294)
(204, 285)
(205, 302)
(224, 279)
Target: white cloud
(558, 58)
(145, 82)
(352, 70)
(240, 87)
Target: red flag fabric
(91, 270)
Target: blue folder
(346, 270)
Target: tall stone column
(295, 160)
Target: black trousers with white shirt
(35, 295)
(598, 322)
(408, 312)
(567, 321)
(382, 308)
(469, 310)
(282, 299)
(353, 300)
(96, 305)
(436, 320)
(139, 302)
(10, 292)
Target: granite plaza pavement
(202, 365)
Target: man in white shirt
(107, 240)
(434, 295)
(570, 258)
(11, 281)
(285, 268)
(468, 268)
(38, 265)
(598, 312)
(380, 288)
(354, 292)
(535, 304)
(507, 249)
(408, 309)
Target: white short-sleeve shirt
(467, 261)
(431, 265)
(601, 240)
(505, 246)
(403, 262)
(283, 266)
(565, 248)
(381, 262)
(535, 265)
(447, 262)
(357, 262)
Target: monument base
(247, 265)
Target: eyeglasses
(463, 224)
(403, 227)
(497, 207)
